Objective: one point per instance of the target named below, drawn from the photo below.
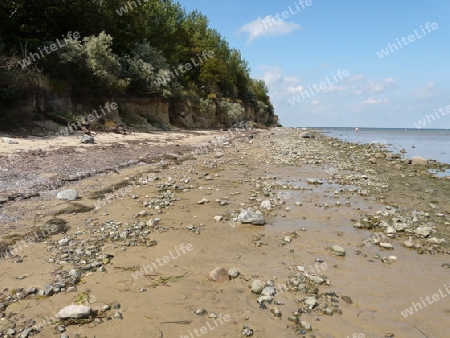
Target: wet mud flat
(351, 246)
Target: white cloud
(356, 78)
(428, 91)
(268, 26)
(271, 74)
(361, 86)
(315, 101)
(293, 90)
(334, 88)
(374, 101)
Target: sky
(351, 63)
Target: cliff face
(145, 114)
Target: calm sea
(428, 143)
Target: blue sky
(297, 53)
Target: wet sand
(243, 171)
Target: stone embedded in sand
(257, 286)
(436, 241)
(266, 205)
(68, 194)
(87, 139)
(218, 218)
(310, 302)
(387, 246)
(314, 181)
(249, 216)
(233, 273)
(218, 275)
(337, 250)
(423, 231)
(418, 160)
(74, 311)
(203, 201)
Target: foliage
(134, 52)
(233, 110)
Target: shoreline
(375, 207)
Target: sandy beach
(261, 233)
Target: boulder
(74, 311)
(249, 216)
(68, 194)
(418, 160)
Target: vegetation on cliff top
(145, 48)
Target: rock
(265, 205)
(276, 312)
(75, 274)
(262, 300)
(218, 275)
(218, 218)
(436, 241)
(387, 246)
(257, 286)
(423, 231)
(347, 299)
(400, 226)
(337, 250)
(314, 181)
(203, 201)
(307, 135)
(8, 140)
(47, 290)
(287, 239)
(200, 312)
(408, 244)
(390, 230)
(249, 216)
(418, 160)
(306, 325)
(233, 273)
(68, 194)
(268, 291)
(247, 331)
(218, 154)
(74, 311)
(317, 280)
(87, 139)
(310, 302)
